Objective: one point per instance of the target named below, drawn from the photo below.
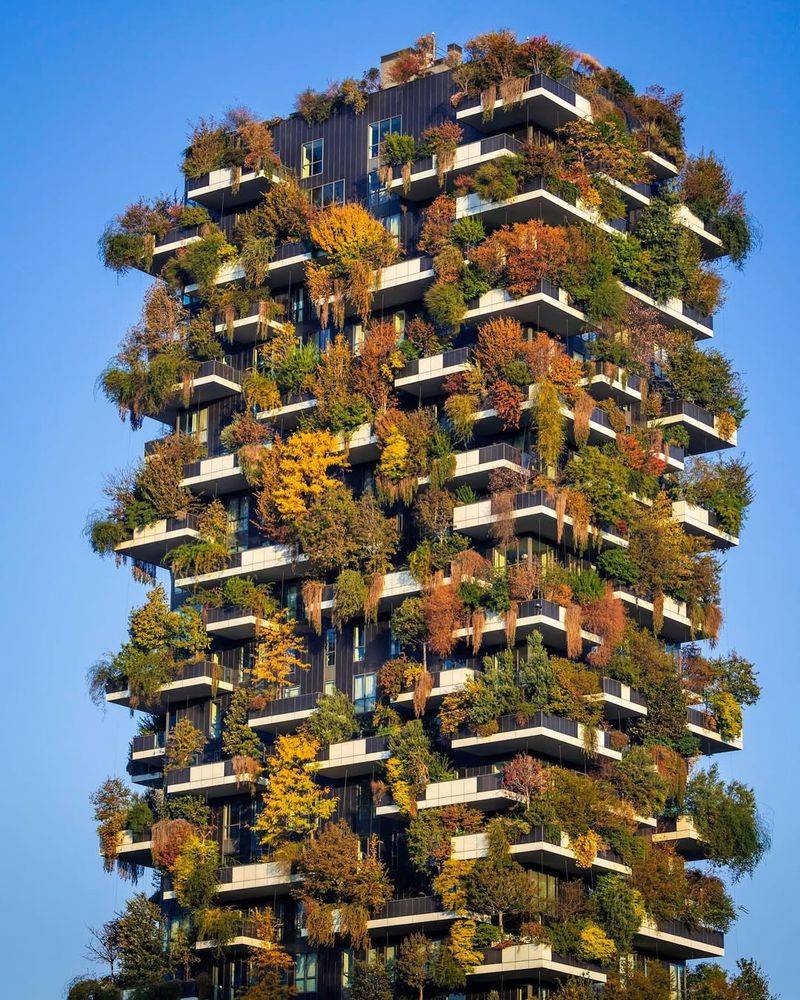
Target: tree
(370, 981)
(238, 739)
(633, 982)
(103, 947)
(278, 653)
(194, 873)
(497, 884)
(525, 776)
(334, 720)
(712, 982)
(414, 962)
(294, 804)
(184, 742)
(143, 959)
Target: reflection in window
(365, 690)
(378, 132)
(311, 160)
(331, 193)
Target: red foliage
(507, 400)
(444, 613)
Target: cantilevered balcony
(195, 680)
(545, 617)
(546, 849)
(246, 936)
(353, 757)
(288, 415)
(703, 725)
(424, 181)
(551, 735)
(549, 307)
(283, 714)
(266, 563)
(137, 848)
(288, 266)
(608, 381)
(402, 282)
(211, 780)
(146, 760)
(676, 939)
(535, 199)
(532, 512)
(414, 913)
(215, 188)
(266, 878)
(445, 682)
(705, 523)
(700, 424)
(544, 102)
(677, 626)
(710, 242)
(682, 834)
(474, 467)
(621, 701)
(152, 543)
(521, 961)
(231, 622)
(481, 791)
(171, 242)
(250, 327)
(674, 312)
(424, 377)
(213, 380)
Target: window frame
(308, 160)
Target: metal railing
(287, 706)
(455, 356)
(683, 407)
(411, 907)
(697, 316)
(148, 741)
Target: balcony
(539, 960)
(414, 912)
(445, 682)
(710, 243)
(676, 313)
(481, 791)
(469, 156)
(249, 328)
(146, 760)
(214, 189)
(533, 200)
(284, 714)
(677, 626)
(152, 543)
(287, 416)
(607, 381)
(246, 937)
(542, 847)
(703, 725)
(675, 939)
(474, 467)
(231, 622)
(213, 380)
(551, 735)
(533, 512)
(171, 242)
(214, 476)
(287, 267)
(195, 680)
(353, 757)
(538, 615)
(402, 282)
(424, 377)
(544, 102)
(136, 848)
(265, 562)
(682, 834)
(705, 523)
(700, 424)
(600, 430)
(548, 307)
(212, 780)
(621, 701)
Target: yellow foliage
(270, 955)
(150, 625)
(402, 791)
(294, 804)
(394, 463)
(450, 884)
(585, 848)
(301, 472)
(278, 650)
(596, 945)
(349, 235)
(462, 945)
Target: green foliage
(94, 989)
(238, 739)
(727, 819)
(298, 366)
(499, 179)
(605, 482)
(200, 262)
(398, 149)
(616, 564)
(660, 235)
(194, 873)
(370, 981)
(498, 885)
(711, 982)
(446, 305)
(620, 909)
(140, 816)
(334, 719)
(468, 233)
(143, 959)
(708, 379)
(408, 622)
(724, 487)
(636, 780)
(349, 596)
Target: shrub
(445, 304)
(334, 719)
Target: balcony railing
(148, 741)
(685, 408)
(203, 668)
(414, 906)
(372, 744)
(456, 356)
(543, 720)
(534, 82)
(697, 316)
(287, 706)
(614, 688)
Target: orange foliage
(444, 613)
(606, 618)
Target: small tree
(497, 884)
(525, 776)
(143, 959)
(184, 742)
(414, 963)
(370, 982)
(103, 947)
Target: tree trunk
(500, 924)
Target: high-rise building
(428, 703)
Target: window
(347, 967)
(395, 647)
(194, 423)
(377, 194)
(399, 320)
(331, 193)
(358, 643)
(329, 661)
(378, 132)
(238, 522)
(305, 972)
(297, 305)
(365, 692)
(391, 223)
(358, 338)
(292, 602)
(323, 339)
(311, 164)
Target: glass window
(194, 422)
(292, 600)
(365, 688)
(347, 967)
(395, 647)
(377, 194)
(391, 223)
(331, 193)
(238, 522)
(358, 338)
(378, 132)
(323, 339)
(358, 642)
(329, 661)
(399, 320)
(297, 304)
(305, 972)
(312, 158)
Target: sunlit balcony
(675, 939)
(213, 780)
(215, 188)
(703, 428)
(195, 680)
(482, 791)
(521, 961)
(703, 725)
(353, 757)
(543, 102)
(152, 543)
(551, 735)
(264, 563)
(424, 181)
(682, 834)
(705, 523)
(542, 848)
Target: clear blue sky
(96, 105)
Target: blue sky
(97, 101)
